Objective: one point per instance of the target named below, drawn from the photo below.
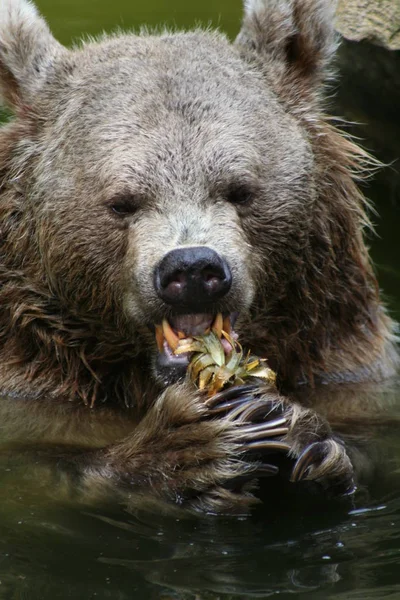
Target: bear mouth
(171, 332)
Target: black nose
(192, 277)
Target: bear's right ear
(27, 52)
(293, 40)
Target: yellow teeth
(218, 325)
(170, 335)
(178, 341)
(160, 338)
(227, 326)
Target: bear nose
(192, 277)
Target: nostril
(171, 278)
(211, 280)
(209, 275)
(175, 283)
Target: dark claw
(267, 470)
(270, 446)
(247, 408)
(257, 410)
(339, 484)
(311, 455)
(268, 425)
(258, 432)
(227, 406)
(230, 394)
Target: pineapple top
(213, 368)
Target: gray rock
(377, 21)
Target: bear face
(175, 151)
(131, 149)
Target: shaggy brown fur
(167, 126)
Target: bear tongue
(192, 324)
(181, 327)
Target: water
(53, 548)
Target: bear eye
(239, 194)
(124, 206)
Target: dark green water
(52, 549)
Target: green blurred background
(70, 18)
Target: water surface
(58, 549)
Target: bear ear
(295, 39)
(27, 52)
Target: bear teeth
(170, 336)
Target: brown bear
(173, 178)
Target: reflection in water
(53, 545)
(56, 544)
(66, 554)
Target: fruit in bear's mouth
(211, 369)
(215, 358)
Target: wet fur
(73, 330)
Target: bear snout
(192, 277)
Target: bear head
(153, 183)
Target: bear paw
(196, 452)
(318, 455)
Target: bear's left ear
(294, 39)
(27, 52)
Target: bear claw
(327, 463)
(307, 458)
(230, 394)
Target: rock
(368, 64)
(377, 21)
